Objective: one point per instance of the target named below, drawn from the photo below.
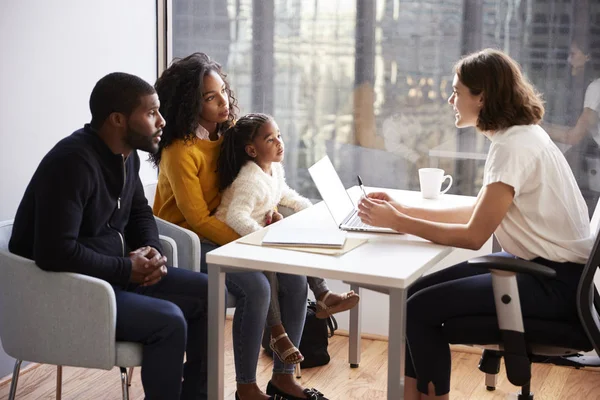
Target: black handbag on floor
(315, 338)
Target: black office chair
(524, 341)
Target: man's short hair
(117, 92)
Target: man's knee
(199, 288)
(187, 282)
(173, 319)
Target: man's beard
(139, 141)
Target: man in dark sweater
(84, 211)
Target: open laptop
(340, 205)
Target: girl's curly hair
(233, 154)
(180, 89)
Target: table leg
(216, 332)
(396, 344)
(355, 331)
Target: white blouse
(548, 217)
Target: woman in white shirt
(528, 192)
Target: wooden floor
(337, 380)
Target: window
(366, 82)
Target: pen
(360, 183)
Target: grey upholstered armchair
(188, 243)
(61, 318)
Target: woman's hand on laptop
(377, 212)
(380, 196)
(386, 197)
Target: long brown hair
(508, 98)
(180, 90)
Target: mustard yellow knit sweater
(187, 192)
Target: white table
(387, 261)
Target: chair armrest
(169, 250)
(513, 265)
(508, 309)
(188, 244)
(55, 317)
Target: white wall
(52, 54)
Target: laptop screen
(331, 189)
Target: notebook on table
(304, 237)
(255, 239)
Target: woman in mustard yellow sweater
(198, 105)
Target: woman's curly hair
(180, 89)
(508, 98)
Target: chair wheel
(490, 388)
(525, 397)
(353, 365)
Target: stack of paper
(306, 237)
(256, 239)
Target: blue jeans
(252, 293)
(168, 318)
(317, 285)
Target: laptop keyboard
(355, 222)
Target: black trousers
(169, 319)
(463, 290)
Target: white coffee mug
(431, 180)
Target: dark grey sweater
(83, 209)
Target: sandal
(289, 356)
(311, 394)
(349, 300)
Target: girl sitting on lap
(252, 179)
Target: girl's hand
(269, 217)
(276, 217)
(272, 217)
(375, 212)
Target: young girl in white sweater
(252, 179)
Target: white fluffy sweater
(253, 193)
